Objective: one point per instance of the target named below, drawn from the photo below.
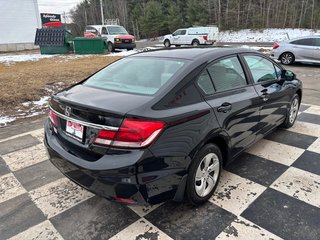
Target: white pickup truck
(192, 36)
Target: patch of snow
(4, 120)
(122, 53)
(266, 35)
(5, 58)
(42, 101)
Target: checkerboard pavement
(272, 191)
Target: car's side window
(261, 69)
(104, 31)
(183, 32)
(227, 74)
(278, 71)
(205, 83)
(305, 42)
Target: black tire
(287, 58)
(198, 160)
(290, 120)
(129, 49)
(195, 42)
(110, 47)
(167, 43)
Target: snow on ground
(4, 120)
(266, 35)
(9, 58)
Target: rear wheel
(195, 42)
(204, 174)
(287, 58)
(129, 49)
(292, 112)
(110, 47)
(167, 43)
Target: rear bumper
(116, 184)
(124, 45)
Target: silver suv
(306, 49)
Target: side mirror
(173, 34)
(288, 75)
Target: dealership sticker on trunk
(74, 130)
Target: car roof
(304, 37)
(189, 53)
(103, 26)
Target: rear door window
(261, 69)
(304, 42)
(205, 83)
(227, 74)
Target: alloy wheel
(287, 58)
(207, 174)
(293, 110)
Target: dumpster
(53, 40)
(84, 45)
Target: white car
(114, 36)
(306, 49)
(192, 36)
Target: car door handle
(264, 95)
(225, 107)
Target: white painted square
(58, 196)
(39, 134)
(10, 187)
(41, 231)
(235, 193)
(315, 146)
(299, 184)
(25, 157)
(141, 229)
(305, 128)
(143, 210)
(313, 110)
(276, 152)
(242, 228)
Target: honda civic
(160, 125)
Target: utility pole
(102, 17)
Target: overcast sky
(57, 6)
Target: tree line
(152, 18)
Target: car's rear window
(139, 75)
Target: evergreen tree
(175, 18)
(154, 20)
(197, 14)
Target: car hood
(102, 100)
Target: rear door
(274, 93)
(235, 102)
(316, 53)
(304, 49)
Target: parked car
(160, 125)
(192, 36)
(306, 49)
(114, 36)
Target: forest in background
(152, 18)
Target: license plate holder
(75, 130)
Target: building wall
(19, 20)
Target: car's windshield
(117, 30)
(139, 75)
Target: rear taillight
(205, 37)
(275, 45)
(132, 134)
(53, 118)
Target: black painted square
(17, 144)
(256, 169)
(18, 214)
(182, 221)
(3, 167)
(303, 107)
(284, 216)
(37, 175)
(291, 138)
(95, 218)
(308, 161)
(310, 118)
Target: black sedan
(160, 125)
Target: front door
(274, 93)
(234, 101)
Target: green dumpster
(84, 45)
